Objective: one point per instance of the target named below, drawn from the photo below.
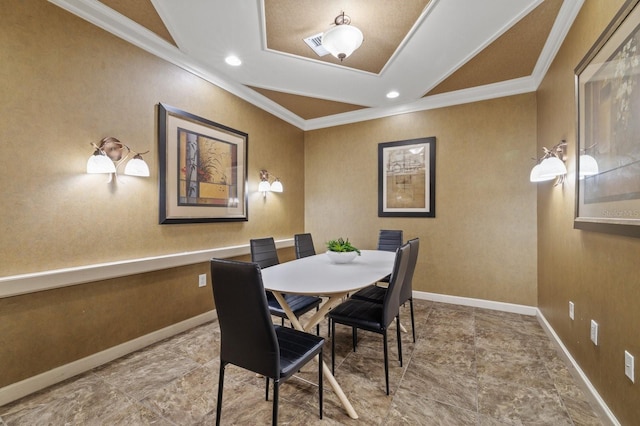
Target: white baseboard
(545, 324)
(477, 303)
(25, 387)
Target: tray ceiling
(433, 52)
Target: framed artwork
(203, 169)
(608, 107)
(407, 178)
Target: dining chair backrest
(264, 252)
(247, 336)
(304, 245)
(406, 292)
(391, 304)
(389, 240)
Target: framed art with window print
(407, 178)
(203, 173)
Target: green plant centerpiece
(340, 245)
(341, 251)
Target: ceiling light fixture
(393, 94)
(343, 39)
(232, 60)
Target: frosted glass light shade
(276, 186)
(342, 40)
(137, 167)
(552, 167)
(535, 175)
(588, 166)
(264, 186)
(100, 164)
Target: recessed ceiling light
(233, 60)
(393, 94)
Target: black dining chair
(389, 240)
(304, 245)
(265, 254)
(248, 338)
(374, 293)
(372, 316)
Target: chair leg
(220, 384)
(317, 325)
(266, 395)
(320, 364)
(333, 346)
(386, 360)
(276, 386)
(413, 322)
(354, 337)
(399, 337)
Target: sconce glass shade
(264, 186)
(552, 167)
(276, 186)
(137, 167)
(342, 40)
(535, 175)
(99, 163)
(588, 166)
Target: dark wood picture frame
(607, 84)
(203, 169)
(407, 178)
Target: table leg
(315, 319)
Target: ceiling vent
(315, 43)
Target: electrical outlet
(571, 310)
(594, 332)
(628, 366)
(202, 280)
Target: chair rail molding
(16, 285)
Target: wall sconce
(550, 165)
(266, 186)
(109, 155)
(588, 166)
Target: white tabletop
(317, 275)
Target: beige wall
(598, 272)
(66, 83)
(482, 243)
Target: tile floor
(469, 366)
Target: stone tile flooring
(469, 366)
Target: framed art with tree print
(407, 178)
(608, 106)
(203, 173)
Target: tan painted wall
(598, 272)
(66, 83)
(482, 243)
